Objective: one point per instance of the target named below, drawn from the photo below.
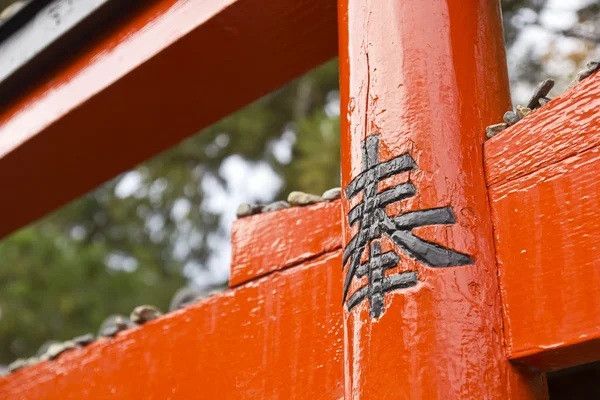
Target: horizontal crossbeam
(268, 242)
(545, 195)
(244, 343)
(162, 72)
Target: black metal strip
(357, 184)
(370, 215)
(350, 248)
(355, 214)
(25, 13)
(400, 281)
(390, 283)
(371, 151)
(362, 270)
(358, 297)
(397, 193)
(432, 216)
(46, 32)
(403, 163)
(389, 259)
(429, 253)
(354, 264)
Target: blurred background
(166, 224)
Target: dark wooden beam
(43, 32)
(168, 69)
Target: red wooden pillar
(420, 80)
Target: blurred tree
(141, 236)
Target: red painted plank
(548, 249)
(158, 76)
(566, 126)
(276, 338)
(422, 79)
(276, 240)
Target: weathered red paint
(566, 126)
(155, 77)
(428, 76)
(279, 337)
(546, 213)
(276, 240)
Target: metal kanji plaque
(374, 223)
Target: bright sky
(551, 48)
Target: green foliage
(56, 287)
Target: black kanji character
(373, 223)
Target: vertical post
(420, 80)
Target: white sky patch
(524, 16)
(560, 14)
(129, 184)
(78, 232)
(219, 262)
(156, 190)
(155, 223)
(282, 147)
(531, 39)
(254, 182)
(222, 140)
(181, 209)
(332, 107)
(120, 262)
(542, 43)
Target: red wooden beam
(273, 241)
(566, 127)
(544, 192)
(245, 343)
(160, 74)
(420, 80)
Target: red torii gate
(497, 242)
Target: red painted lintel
(162, 74)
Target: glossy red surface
(155, 77)
(277, 240)
(546, 213)
(565, 127)
(279, 337)
(429, 76)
